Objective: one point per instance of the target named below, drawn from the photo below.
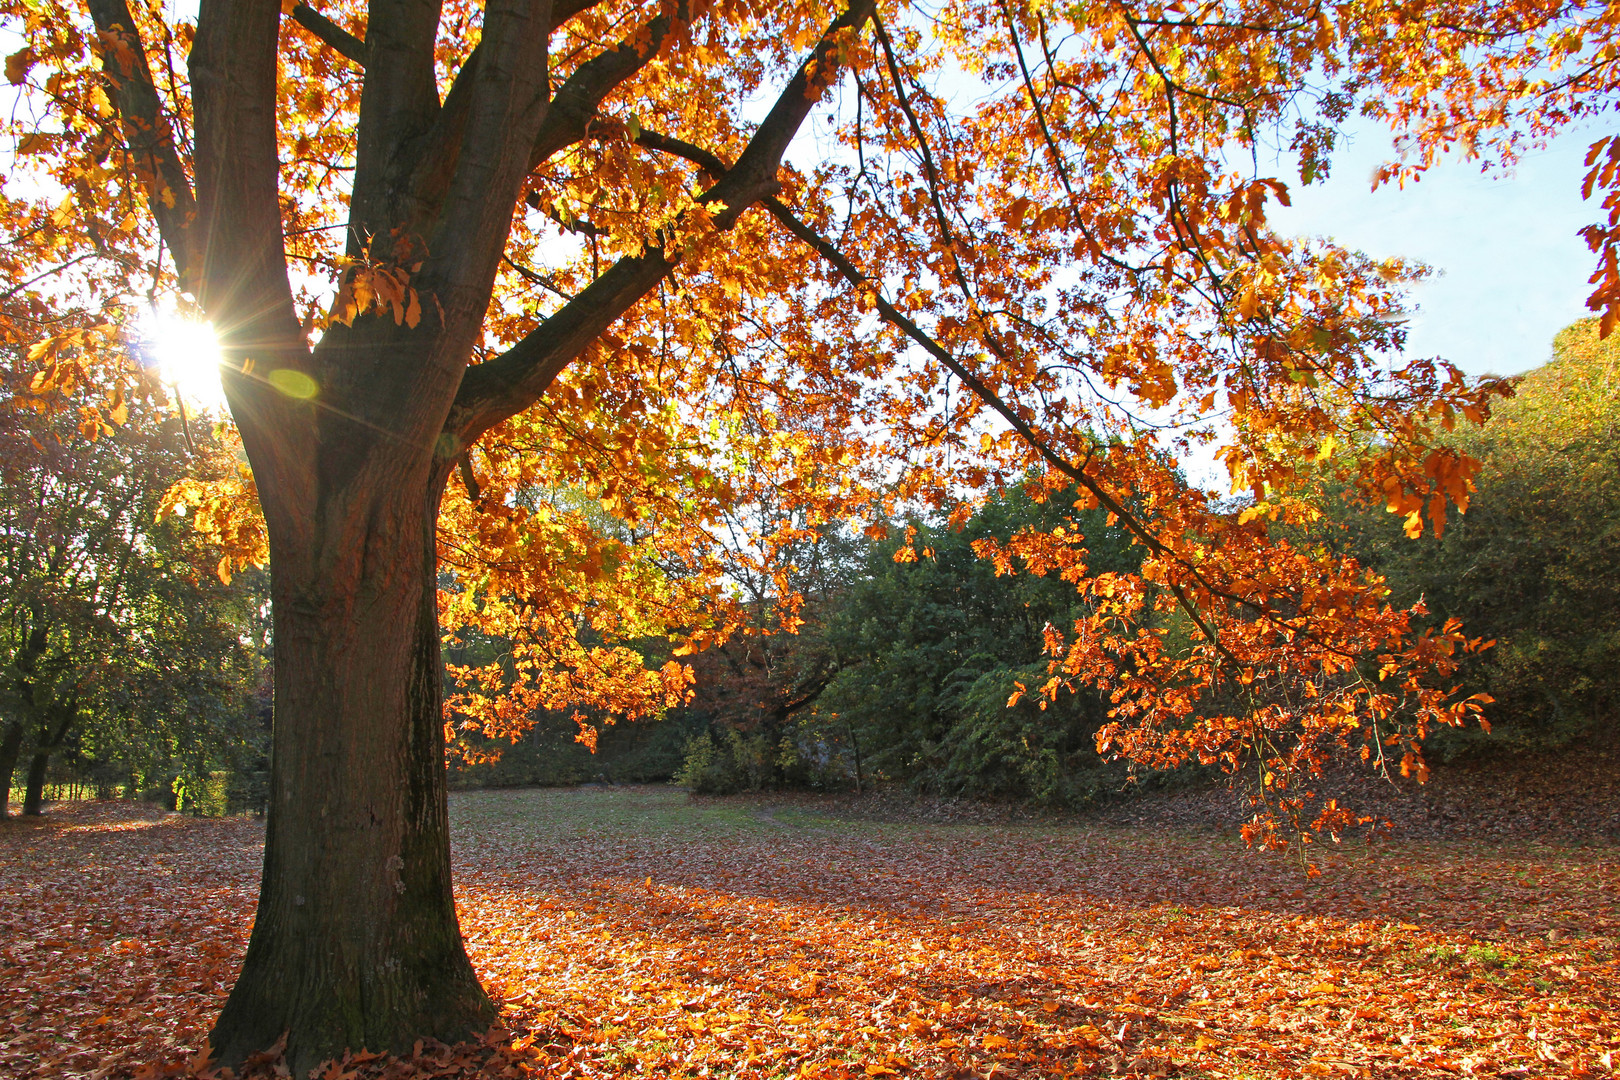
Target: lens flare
(186, 356)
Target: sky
(1512, 269)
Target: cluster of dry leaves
(634, 932)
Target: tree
(1531, 564)
(931, 648)
(527, 255)
(778, 661)
(113, 624)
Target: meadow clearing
(637, 931)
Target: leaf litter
(637, 932)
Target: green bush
(737, 762)
(203, 795)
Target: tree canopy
(688, 257)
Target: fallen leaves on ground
(636, 932)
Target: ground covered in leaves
(634, 931)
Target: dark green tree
(119, 643)
(931, 651)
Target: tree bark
(356, 896)
(10, 751)
(34, 794)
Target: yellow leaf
(995, 1042)
(1248, 303)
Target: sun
(186, 356)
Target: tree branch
(331, 33)
(399, 104)
(242, 275)
(148, 135)
(468, 478)
(354, 48)
(571, 110)
(1077, 473)
(502, 387)
(582, 94)
(714, 166)
(233, 77)
(509, 101)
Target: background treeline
(129, 668)
(903, 670)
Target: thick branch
(148, 134)
(244, 285)
(399, 103)
(582, 94)
(346, 44)
(510, 99)
(710, 163)
(331, 33)
(435, 157)
(505, 386)
(242, 279)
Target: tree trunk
(855, 744)
(34, 794)
(10, 751)
(356, 943)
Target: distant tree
(117, 633)
(933, 645)
(1533, 563)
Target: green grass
(1488, 957)
(600, 813)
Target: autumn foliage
(1049, 298)
(521, 303)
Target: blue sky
(1512, 269)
